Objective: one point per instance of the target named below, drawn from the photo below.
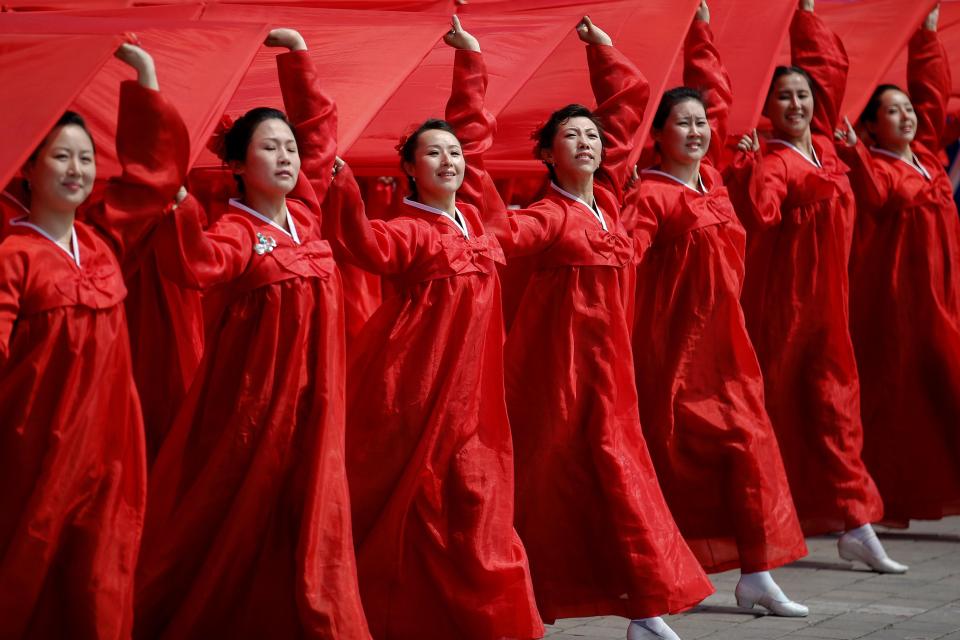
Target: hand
(806, 5)
(703, 12)
(181, 196)
(141, 61)
(930, 24)
(289, 38)
(749, 142)
(591, 33)
(338, 163)
(846, 134)
(458, 38)
(633, 179)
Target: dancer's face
(62, 174)
(272, 164)
(685, 136)
(790, 106)
(438, 165)
(896, 124)
(577, 148)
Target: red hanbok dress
(598, 531)
(429, 453)
(72, 465)
(248, 529)
(698, 380)
(905, 306)
(799, 214)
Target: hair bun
(218, 139)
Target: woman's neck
(904, 151)
(579, 185)
(443, 201)
(58, 224)
(804, 142)
(686, 172)
(272, 206)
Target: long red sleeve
(153, 147)
(819, 52)
(758, 188)
(622, 93)
(703, 70)
(929, 83)
(314, 117)
(475, 127)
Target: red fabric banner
(42, 74)
(650, 34)
(513, 46)
(748, 35)
(199, 91)
(363, 58)
(949, 31)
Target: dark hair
(781, 71)
(548, 130)
(408, 147)
(672, 98)
(68, 117)
(870, 111)
(237, 138)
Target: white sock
(866, 535)
(763, 582)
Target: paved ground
(845, 601)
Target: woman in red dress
(248, 530)
(599, 534)
(698, 379)
(72, 460)
(429, 453)
(905, 290)
(797, 205)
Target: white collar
(815, 161)
(75, 254)
(594, 210)
(256, 214)
(456, 218)
(703, 188)
(915, 165)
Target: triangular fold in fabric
(513, 46)
(363, 57)
(42, 76)
(748, 35)
(199, 91)
(650, 33)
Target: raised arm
(868, 183)
(641, 216)
(311, 111)
(703, 70)
(378, 246)
(153, 148)
(474, 125)
(819, 52)
(929, 82)
(622, 94)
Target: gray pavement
(846, 601)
